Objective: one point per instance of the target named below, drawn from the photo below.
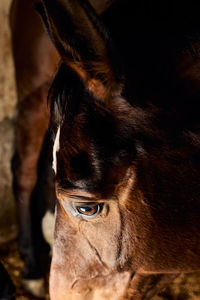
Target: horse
(124, 109)
(35, 60)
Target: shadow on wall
(8, 228)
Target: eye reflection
(89, 210)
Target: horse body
(126, 154)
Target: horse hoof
(36, 287)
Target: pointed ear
(83, 43)
(101, 5)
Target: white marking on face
(56, 148)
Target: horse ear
(82, 42)
(100, 5)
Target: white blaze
(56, 148)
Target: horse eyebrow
(83, 198)
(78, 195)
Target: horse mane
(64, 95)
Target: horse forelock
(55, 150)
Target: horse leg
(31, 127)
(144, 287)
(45, 197)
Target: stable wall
(8, 229)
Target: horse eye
(89, 210)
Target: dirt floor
(185, 287)
(9, 256)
